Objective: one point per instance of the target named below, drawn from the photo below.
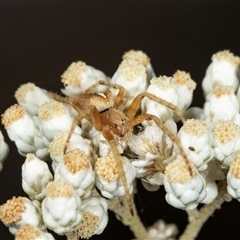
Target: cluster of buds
(73, 154)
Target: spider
(106, 112)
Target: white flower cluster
(209, 136)
(162, 231)
(95, 154)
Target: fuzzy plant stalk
(197, 218)
(120, 208)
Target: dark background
(39, 39)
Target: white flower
(194, 112)
(226, 141)
(185, 88)
(18, 211)
(31, 97)
(238, 91)
(58, 143)
(4, 151)
(132, 76)
(184, 191)
(165, 88)
(54, 117)
(219, 97)
(29, 231)
(222, 71)
(21, 129)
(108, 180)
(212, 174)
(79, 76)
(76, 168)
(233, 178)
(95, 217)
(162, 231)
(35, 177)
(154, 149)
(61, 207)
(141, 57)
(196, 141)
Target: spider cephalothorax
(118, 123)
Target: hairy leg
(136, 101)
(113, 144)
(118, 98)
(91, 113)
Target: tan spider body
(105, 111)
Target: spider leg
(136, 101)
(118, 98)
(145, 116)
(113, 144)
(91, 113)
(57, 97)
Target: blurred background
(39, 39)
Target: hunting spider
(106, 112)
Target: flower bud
(18, 211)
(233, 178)
(132, 76)
(222, 71)
(165, 88)
(79, 76)
(61, 207)
(58, 143)
(21, 129)
(31, 97)
(108, 180)
(212, 174)
(76, 168)
(28, 231)
(219, 97)
(185, 88)
(196, 141)
(95, 217)
(162, 231)
(54, 117)
(142, 58)
(226, 141)
(35, 177)
(184, 190)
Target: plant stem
(120, 208)
(198, 218)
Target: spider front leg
(136, 101)
(113, 144)
(145, 116)
(91, 113)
